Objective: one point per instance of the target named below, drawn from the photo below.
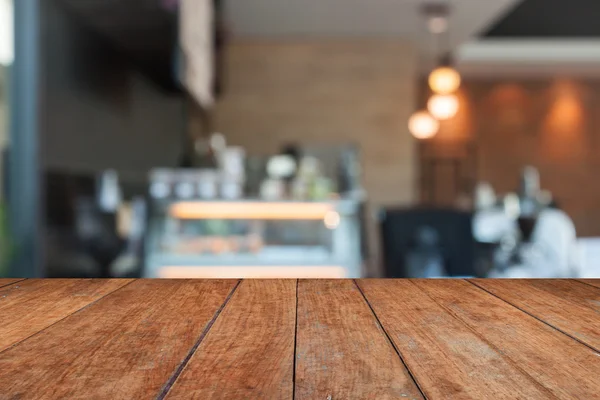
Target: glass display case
(254, 239)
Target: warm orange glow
(444, 80)
(422, 125)
(460, 126)
(566, 114)
(443, 106)
(564, 130)
(258, 272)
(250, 210)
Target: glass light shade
(443, 106)
(422, 125)
(444, 80)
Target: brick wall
(327, 91)
(551, 124)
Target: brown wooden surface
(29, 306)
(307, 339)
(8, 281)
(249, 352)
(447, 359)
(562, 365)
(125, 346)
(593, 282)
(340, 341)
(569, 306)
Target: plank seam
(537, 318)
(494, 347)
(66, 316)
(13, 283)
(173, 379)
(585, 283)
(391, 342)
(295, 345)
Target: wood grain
(9, 281)
(205, 339)
(446, 358)
(593, 282)
(125, 346)
(567, 305)
(567, 368)
(249, 351)
(28, 307)
(341, 350)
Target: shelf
(252, 210)
(258, 272)
(274, 255)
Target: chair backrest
(399, 228)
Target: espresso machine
(532, 238)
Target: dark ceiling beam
(142, 30)
(549, 19)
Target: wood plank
(567, 305)
(249, 352)
(28, 307)
(9, 281)
(446, 358)
(126, 346)
(341, 350)
(593, 282)
(567, 368)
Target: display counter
(254, 239)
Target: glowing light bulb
(443, 106)
(444, 80)
(422, 125)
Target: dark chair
(80, 239)
(400, 227)
(64, 255)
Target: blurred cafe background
(300, 138)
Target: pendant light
(422, 125)
(444, 79)
(443, 106)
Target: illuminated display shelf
(332, 229)
(251, 210)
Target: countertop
(306, 339)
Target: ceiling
(388, 18)
(483, 33)
(487, 37)
(549, 19)
(538, 38)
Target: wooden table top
(306, 339)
